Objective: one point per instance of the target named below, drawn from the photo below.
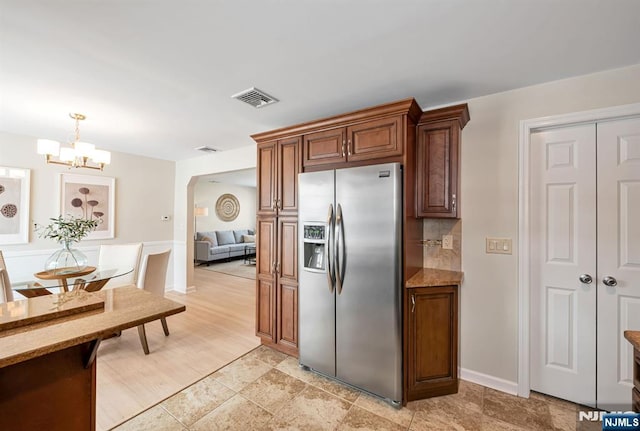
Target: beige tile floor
(267, 390)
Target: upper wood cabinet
(325, 147)
(279, 163)
(369, 140)
(438, 162)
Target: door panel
(618, 257)
(325, 147)
(266, 173)
(288, 315)
(368, 308)
(316, 297)
(375, 139)
(289, 166)
(563, 226)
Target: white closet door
(618, 257)
(563, 247)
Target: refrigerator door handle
(331, 275)
(340, 252)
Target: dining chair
(6, 294)
(121, 255)
(153, 280)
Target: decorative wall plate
(227, 207)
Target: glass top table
(66, 281)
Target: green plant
(66, 230)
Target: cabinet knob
(413, 303)
(349, 147)
(453, 202)
(610, 281)
(343, 145)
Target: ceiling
(243, 177)
(154, 77)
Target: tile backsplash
(434, 255)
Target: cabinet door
(289, 166)
(433, 342)
(266, 278)
(437, 170)
(375, 139)
(324, 147)
(266, 179)
(287, 282)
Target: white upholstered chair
(121, 255)
(153, 280)
(6, 294)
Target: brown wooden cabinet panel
(432, 345)
(321, 148)
(288, 317)
(287, 266)
(437, 170)
(266, 176)
(375, 139)
(635, 400)
(265, 246)
(265, 309)
(438, 161)
(289, 166)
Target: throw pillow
(248, 238)
(225, 237)
(213, 241)
(237, 234)
(251, 232)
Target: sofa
(223, 244)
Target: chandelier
(78, 154)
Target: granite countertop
(124, 307)
(634, 338)
(429, 277)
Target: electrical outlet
(447, 242)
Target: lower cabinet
(277, 283)
(635, 392)
(431, 348)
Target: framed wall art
(89, 197)
(14, 205)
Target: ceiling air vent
(255, 97)
(206, 149)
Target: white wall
(144, 193)
(489, 318)
(186, 173)
(206, 194)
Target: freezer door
(316, 296)
(368, 304)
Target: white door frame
(526, 128)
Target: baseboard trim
(492, 382)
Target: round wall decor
(227, 207)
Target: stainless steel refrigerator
(350, 306)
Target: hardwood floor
(217, 328)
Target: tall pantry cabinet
(279, 163)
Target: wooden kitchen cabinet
(635, 392)
(380, 134)
(371, 140)
(432, 342)
(265, 278)
(277, 282)
(279, 163)
(438, 162)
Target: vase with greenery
(66, 231)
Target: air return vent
(206, 149)
(255, 97)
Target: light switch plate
(498, 245)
